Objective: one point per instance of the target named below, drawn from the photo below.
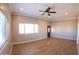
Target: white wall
(16, 37)
(5, 9)
(65, 29)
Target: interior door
(48, 31)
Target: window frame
(32, 30)
(6, 29)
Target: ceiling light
(66, 13)
(21, 9)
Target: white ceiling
(32, 10)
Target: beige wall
(5, 9)
(16, 37)
(65, 29)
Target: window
(28, 28)
(3, 29)
(21, 28)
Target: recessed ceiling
(63, 10)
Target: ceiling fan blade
(52, 12)
(41, 11)
(48, 14)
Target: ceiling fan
(47, 11)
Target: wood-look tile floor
(50, 46)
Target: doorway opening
(48, 31)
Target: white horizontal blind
(36, 28)
(28, 28)
(21, 28)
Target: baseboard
(63, 38)
(28, 41)
(35, 40)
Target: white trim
(28, 41)
(63, 38)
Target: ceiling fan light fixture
(48, 11)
